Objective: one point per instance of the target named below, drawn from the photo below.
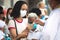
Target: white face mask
(23, 13)
(9, 17)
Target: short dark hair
(1, 10)
(35, 10)
(16, 10)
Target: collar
(19, 21)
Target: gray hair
(32, 15)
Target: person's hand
(39, 22)
(22, 35)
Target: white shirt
(43, 11)
(2, 24)
(1, 35)
(35, 34)
(52, 26)
(20, 26)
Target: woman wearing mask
(41, 6)
(8, 15)
(19, 24)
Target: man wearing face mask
(51, 29)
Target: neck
(20, 18)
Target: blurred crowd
(20, 23)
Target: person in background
(2, 34)
(8, 15)
(38, 13)
(36, 28)
(18, 25)
(34, 19)
(2, 24)
(41, 6)
(52, 26)
(5, 11)
(31, 20)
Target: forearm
(13, 33)
(22, 35)
(19, 36)
(42, 24)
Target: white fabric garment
(2, 24)
(35, 34)
(9, 17)
(43, 11)
(1, 35)
(39, 28)
(52, 26)
(6, 29)
(20, 26)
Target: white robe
(52, 26)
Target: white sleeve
(1, 35)
(6, 29)
(11, 24)
(2, 24)
(51, 25)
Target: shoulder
(2, 23)
(11, 20)
(55, 13)
(11, 23)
